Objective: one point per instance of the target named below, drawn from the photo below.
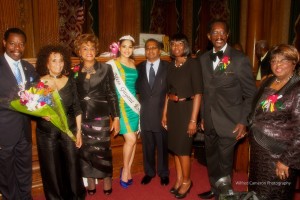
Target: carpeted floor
(154, 190)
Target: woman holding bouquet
(126, 75)
(59, 163)
(98, 99)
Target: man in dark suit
(152, 89)
(263, 55)
(228, 91)
(15, 134)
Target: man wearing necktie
(15, 135)
(228, 91)
(151, 87)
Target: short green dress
(129, 120)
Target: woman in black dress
(275, 130)
(184, 82)
(58, 154)
(99, 102)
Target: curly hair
(85, 38)
(43, 58)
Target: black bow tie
(213, 56)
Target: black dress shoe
(146, 180)
(206, 195)
(164, 180)
(107, 192)
(91, 192)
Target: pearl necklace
(179, 65)
(279, 81)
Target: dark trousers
(16, 170)
(60, 167)
(151, 142)
(219, 156)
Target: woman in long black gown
(58, 154)
(98, 100)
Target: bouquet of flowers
(42, 101)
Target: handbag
(199, 135)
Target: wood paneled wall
(118, 18)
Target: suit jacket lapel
(158, 75)
(144, 77)
(26, 74)
(7, 70)
(210, 63)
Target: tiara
(127, 37)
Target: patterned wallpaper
(71, 20)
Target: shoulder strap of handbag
(131, 101)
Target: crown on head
(127, 37)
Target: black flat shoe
(147, 179)
(164, 181)
(206, 195)
(91, 192)
(181, 196)
(107, 192)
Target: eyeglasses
(280, 62)
(151, 48)
(222, 33)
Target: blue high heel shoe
(123, 183)
(130, 181)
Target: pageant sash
(131, 101)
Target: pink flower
(273, 98)
(76, 68)
(114, 48)
(225, 60)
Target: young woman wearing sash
(125, 75)
(98, 100)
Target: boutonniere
(271, 103)
(76, 69)
(224, 63)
